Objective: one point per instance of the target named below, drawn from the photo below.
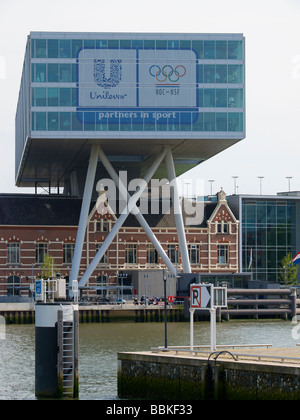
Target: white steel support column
(192, 311)
(136, 211)
(178, 213)
(85, 207)
(213, 329)
(132, 202)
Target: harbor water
(100, 343)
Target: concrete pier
(228, 374)
(103, 314)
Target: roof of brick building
(49, 210)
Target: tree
(48, 267)
(288, 271)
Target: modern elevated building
(153, 105)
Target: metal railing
(239, 356)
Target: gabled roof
(195, 214)
(222, 201)
(50, 210)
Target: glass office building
(186, 90)
(269, 230)
(210, 71)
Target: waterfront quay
(22, 314)
(242, 304)
(228, 374)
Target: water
(99, 344)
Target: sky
(271, 148)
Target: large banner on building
(137, 85)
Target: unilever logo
(115, 73)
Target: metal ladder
(68, 358)
(66, 352)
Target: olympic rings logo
(167, 72)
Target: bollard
(56, 346)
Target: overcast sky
(272, 30)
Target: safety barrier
(260, 303)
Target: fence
(262, 303)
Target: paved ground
(286, 356)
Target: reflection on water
(100, 343)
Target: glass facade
(269, 229)
(200, 88)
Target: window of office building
(152, 255)
(131, 254)
(223, 254)
(68, 253)
(12, 284)
(268, 234)
(105, 259)
(13, 253)
(41, 250)
(102, 225)
(102, 281)
(173, 253)
(58, 64)
(194, 253)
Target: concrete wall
(166, 377)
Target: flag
(296, 259)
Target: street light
(211, 181)
(165, 296)
(235, 178)
(260, 183)
(146, 292)
(122, 276)
(289, 181)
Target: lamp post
(260, 183)
(235, 178)
(146, 298)
(165, 297)
(211, 181)
(122, 276)
(289, 181)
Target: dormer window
(222, 226)
(219, 227)
(225, 227)
(102, 225)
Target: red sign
(171, 299)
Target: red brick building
(34, 225)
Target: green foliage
(288, 271)
(48, 267)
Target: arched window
(13, 284)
